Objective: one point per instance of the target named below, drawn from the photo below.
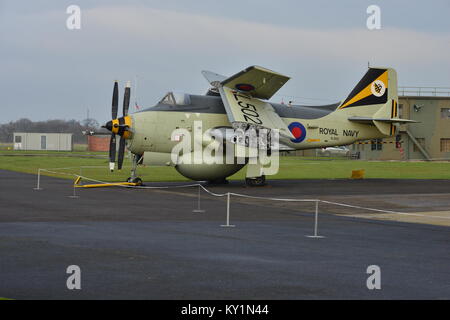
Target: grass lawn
(290, 168)
(6, 146)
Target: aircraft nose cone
(108, 125)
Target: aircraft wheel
(138, 181)
(256, 182)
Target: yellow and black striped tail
(375, 88)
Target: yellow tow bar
(77, 184)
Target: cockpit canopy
(176, 98)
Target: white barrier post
(228, 213)
(316, 222)
(38, 186)
(198, 210)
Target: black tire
(138, 181)
(256, 182)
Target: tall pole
(135, 91)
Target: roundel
(298, 131)
(244, 87)
(378, 88)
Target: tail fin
(378, 86)
(374, 100)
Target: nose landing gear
(138, 181)
(133, 179)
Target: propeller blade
(112, 152)
(126, 99)
(115, 100)
(121, 153)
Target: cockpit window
(168, 99)
(175, 98)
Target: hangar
(43, 141)
(429, 139)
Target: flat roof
(424, 97)
(43, 133)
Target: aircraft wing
(242, 93)
(213, 78)
(244, 111)
(256, 81)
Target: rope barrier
(383, 211)
(228, 194)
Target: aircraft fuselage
(315, 127)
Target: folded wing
(243, 94)
(256, 81)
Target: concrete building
(43, 141)
(426, 140)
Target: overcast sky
(50, 72)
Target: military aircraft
(239, 104)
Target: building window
(445, 145)
(377, 144)
(18, 139)
(421, 141)
(445, 113)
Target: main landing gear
(256, 181)
(255, 175)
